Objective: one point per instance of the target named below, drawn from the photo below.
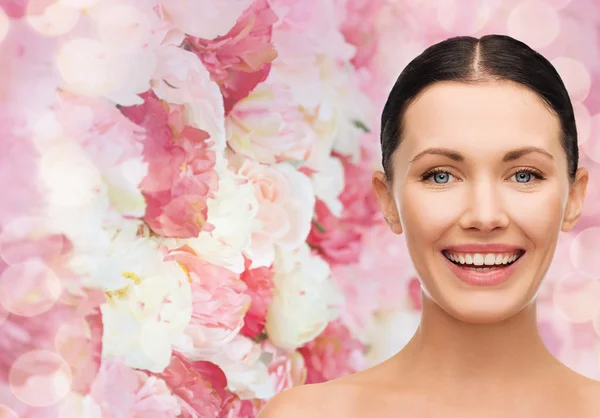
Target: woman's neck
(445, 352)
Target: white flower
(247, 373)
(388, 333)
(144, 317)
(205, 19)
(304, 298)
(233, 213)
(286, 202)
(328, 182)
(77, 405)
(181, 78)
(114, 52)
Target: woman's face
(480, 177)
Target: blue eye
(436, 176)
(523, 177)
(527, 176)
(441, 177)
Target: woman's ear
(387, 203)
(577, 191)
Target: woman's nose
(484, 209)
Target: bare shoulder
(314, 400)
(591, 392)
(349, 396)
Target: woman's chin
(482, 310)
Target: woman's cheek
(429, 213)
(538, 214)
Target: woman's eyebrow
(457, 156)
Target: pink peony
(288, 368)
(121, 392)
(241, 59)
(361, 296)
(285, 206)
(105, 148)
(201, 390)
(269, 127)
(238, 408)
(15, 9)
(198, 386)
(260, 289)
(359, 28)
(339, 239)
(333, 354)
(181, 174)
(219, 304)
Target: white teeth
(489, 259)
(480, 259)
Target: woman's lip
(484, 248)
(483, 278)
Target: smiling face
(481, 190)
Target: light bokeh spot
(575, 75)
(591, 148)
(21, 230)
(4, 24)
(468, 20)
(71, 178)
(79, 4)
(534, 22)
(51, 18)
(585, 250)
(85, 66)
(29, 288)
(576, 298)
(40, 378)
(6, 412)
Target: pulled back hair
(470, 60)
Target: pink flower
(199, 386)
(269, 127)
(361, 296)
(219, 304)
(285, 205)
(241, 59)
(288, 367)
(334, 353)
(337, 242)
(181, 174)
(359, 28)
(14, 8)
(339, 239)
(122, 392)
(243, 408)
(260, 290)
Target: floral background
(187, 225)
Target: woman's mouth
(483, 261)
(483, 264)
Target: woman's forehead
(460, 114)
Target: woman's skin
(477, 351)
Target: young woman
(480, 173)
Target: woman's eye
(523, 177)
(437, 177)
(441, 178)
(526, 176)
